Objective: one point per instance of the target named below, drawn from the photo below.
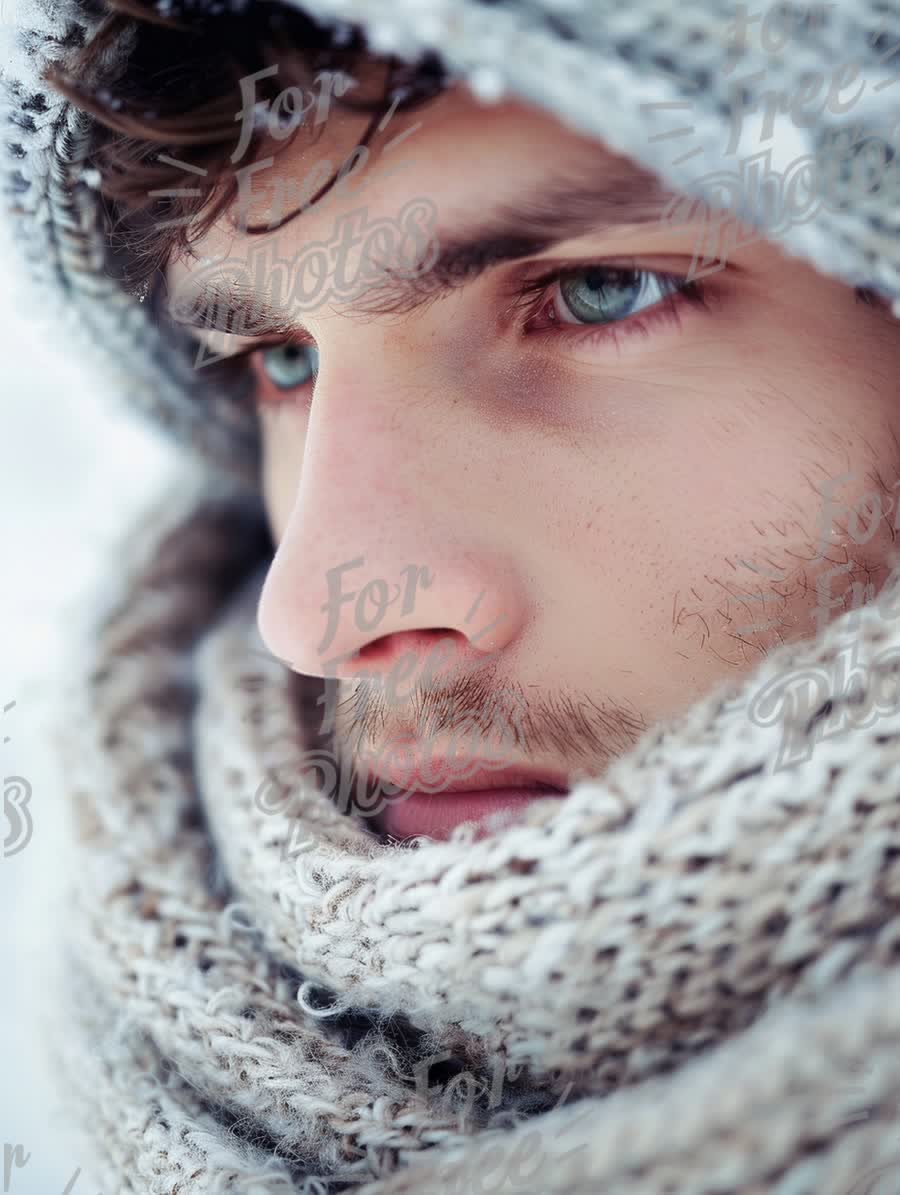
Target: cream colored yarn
(689, 970)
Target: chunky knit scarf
(684, 977)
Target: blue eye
(288, 366)
(602, 295)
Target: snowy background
(75, 468)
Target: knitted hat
(710, 97)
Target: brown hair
(181, 92)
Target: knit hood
(654, 81)
(684, 976)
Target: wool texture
(682, 978)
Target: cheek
(711, 538)
(778, 549)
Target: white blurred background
(74, 470)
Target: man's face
(606, 490)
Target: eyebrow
(594, 198)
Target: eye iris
(290, 365)
(601, 296)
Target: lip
(433, 800)
(447, 775)
(436, 816)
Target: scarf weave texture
(682, 977)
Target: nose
(334, 617)
(390, 545)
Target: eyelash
(530, 301)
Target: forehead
(452, 150)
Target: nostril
(411, 648)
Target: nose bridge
(378, 541)
(367, 436)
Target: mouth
(433, 801)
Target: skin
(629, 509)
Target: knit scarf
(683, 976)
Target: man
(533, 484)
